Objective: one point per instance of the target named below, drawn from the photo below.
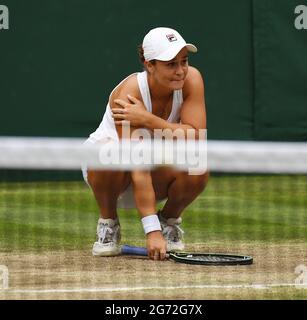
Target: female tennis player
(168, 94)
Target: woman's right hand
(135, 112)
(156, 245)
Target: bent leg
(180, 189)
(107, 186)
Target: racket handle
(135, 251)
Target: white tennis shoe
(172, 233)
(108, 238)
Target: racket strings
(213, 258)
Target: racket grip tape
(135, 251)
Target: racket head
(210, 259)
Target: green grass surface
(63, 215)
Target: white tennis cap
(164, 44)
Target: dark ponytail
(141, 55)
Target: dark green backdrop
(61, 58)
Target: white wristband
(151, 223)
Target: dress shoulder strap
(144, 89)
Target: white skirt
(126, 198)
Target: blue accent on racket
(135, 251)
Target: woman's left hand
(135, 112)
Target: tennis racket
(212, 259)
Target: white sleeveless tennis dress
(107, 129)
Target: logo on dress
(171, 37)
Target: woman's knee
(203, 180)
(195, 183)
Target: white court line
(129, 289)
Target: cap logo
(171, 37)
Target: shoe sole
(106, 253)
